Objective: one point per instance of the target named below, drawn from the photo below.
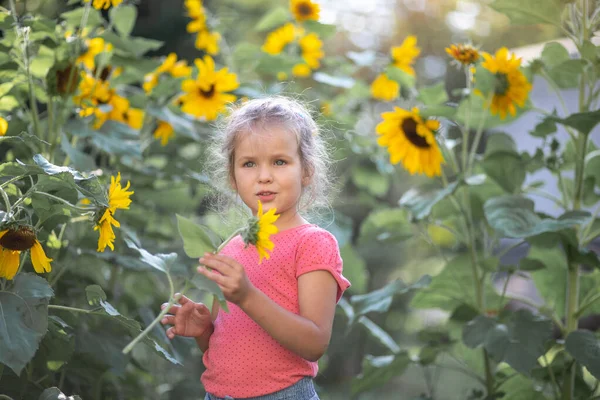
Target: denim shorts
(301, 390)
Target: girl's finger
(230, 262)
(213, 276)
(171, 332)
(173, 310)
(182, 299)
(221, 264)
(167, 320)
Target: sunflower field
(106, 205)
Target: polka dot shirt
(242, 359)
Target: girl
(281, 311)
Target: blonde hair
(292, 116)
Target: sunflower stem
(65, 202)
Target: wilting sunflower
(305, 10)
(511, 86)
(403, 56)
(3, 126)
(104, 4)
(206, 95)
(95, 46)
(118, 197)
(12, 243)
(279, 38)
(411, 140)
(312, 51)
(464, 54)
(259, 230)
(164, 132)
(383, 88)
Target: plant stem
(72, 309)
(65, 202)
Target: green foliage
(530, 12)
(585, 348)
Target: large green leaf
(521, 388)
(24, 319)
(42, 62)
(123, 18)
(203, 283)
(388, 225)
(507, 169)
(554, 54)
(379, 334)
(567, 74)
(396, 74)
(583, 122)
(275, 17)
(161, 262)
(376, 371)
(513, 216)
(370, 179)
(196, 239)
(584, 346)
(433, 95)
(519, 342)
(531, 12)
(420, 204)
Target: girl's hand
(188, 319)
(229, 275)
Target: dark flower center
(502, 84)
(20, 239)
(208, 93)
(409, 126)
(305, 9)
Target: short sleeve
(319, 250)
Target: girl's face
(267, 167)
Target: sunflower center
(502, 84)
(409, 126)
(304, 9)
(20, 239)
(208, 93)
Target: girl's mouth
(266, 196)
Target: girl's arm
(307, 334)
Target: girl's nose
(265, 175)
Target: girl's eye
(280, 162)
(248, 164)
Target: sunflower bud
(19, 239)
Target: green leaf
(54, 393)
(507, 169)
(24, 316)
(73, 17)
(371, 180)
(379, 334)
(500, 142)
(588, 51)
(275, 17)
(554, 54)
(567, 74)
(123, 18)
(388, 225)
(521, 387)
(485, 81)
(376, 371)
(404, 79)
(479, 112)
(344, 82)
(80, 160)
(543, 129)
(354, 268)
(592, 166)
(8, 103)
(42, 62)
(420, 205)
(272, 64)
(584, 122)
(513, 216)
(323, 30)
(530, 12)
(433, 95)
(584, 346)
(161, 262)
(380, 300)
(438, 111)
(196, 239)
(203, 283)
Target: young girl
(281, 310)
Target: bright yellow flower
(95, 46)
(301, 70)
(384, 88)
(326, 109)
(312, 51)
(3, 126)
(411, 140)
(259, 231)
(9, 261)
(194, 8)
(198, 23)
(206, 95)
(164, 131)
(150, 82)
(279, 38)
(118, 197)
(170, 65)
(511, 87)
(104, 4)
(403, 56)
(40, 262)
(134, 117)
(304, 10)
(107, 235)
(465, 54)
(208, 41)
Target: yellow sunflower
(465, 54)
(118, 198)
(312, 51)
(206, 95)
(259, 231)
(95, 46)
(12, 243)
(279, 38)
(511, 86)
(104, 4)
(208, 41)
(164, 131)
(411, 140)
(403, 56)
(305, 10)
(177, 69)
(383, 88)
(301, 70)
(3, 126)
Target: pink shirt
(242, 359)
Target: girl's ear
(307, 178)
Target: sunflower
(118, 197)
(465, 54)
(511, 86)
(279, 38)
(403, 56)
(3, 126)
(95, 46)
(305, 10)
(301, 70)
(206, 95)
(177, 69)
(208, 41)
(383, 88)
(104, 4)
(164, 132)
(411, 140)
(12, 243)
(259, 230)
(311, 50)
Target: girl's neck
(291, 222)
